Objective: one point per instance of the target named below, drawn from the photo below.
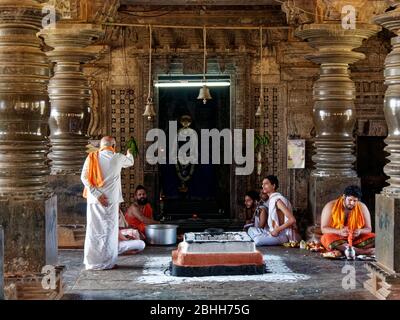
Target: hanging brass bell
(204, 94)
(149, 109)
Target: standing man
(140, 213)
(101, 175)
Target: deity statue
(184, 171)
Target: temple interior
(316, 82)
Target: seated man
(346, 219)
(280, 224)
(140, 213)
(129, 242)
(258, 212)
(263, 198)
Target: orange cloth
(94, 175)
(330, 240)
(136, 223)
(355, 219)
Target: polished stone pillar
(24, 113)
(334, 94)
(384, 280)
(69, 94)
(334, 110)
(1, 263)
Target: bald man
(101, 175)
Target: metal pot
(161, 234)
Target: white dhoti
(261, 237)
(130, 245)
(101, 242)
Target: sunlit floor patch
(156, 271)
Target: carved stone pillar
(1, 263)
(24, 113)
(334, 94)
(69, 94)
(385, 273)
(334, 110)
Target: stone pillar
(334, 110)
(385, 273)
(24, 113)
(1, 263)
(69, 94)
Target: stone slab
(325, 189)
(30, 229)
(71, 205)
(217, 247)
(223, 237)
(387, 229)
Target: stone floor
(292, 274)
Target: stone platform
(205, 254)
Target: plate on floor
(364, 257)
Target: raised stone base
(35, 287)
(1, 263)
(382, 284)
(30, 230)
(206, 254)
(71, 236)
(71, 205)
(325, 189)
(387, 228)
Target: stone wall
(288, 84)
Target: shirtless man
(140, 213)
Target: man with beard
(140, 213)
(347, 220)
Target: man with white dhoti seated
(129, 238)
(101, 175)
(280, 226)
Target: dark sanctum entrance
(371, 158)
(199, 189)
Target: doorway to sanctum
(194, 190)
(371, 158)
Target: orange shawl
(94, 175)
(136, 223)
(355, 219)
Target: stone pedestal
(30, 229)
(387, 228)
(1, 263)
(71, 206)
(384, 280)
(325, 189)
(71, 210)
